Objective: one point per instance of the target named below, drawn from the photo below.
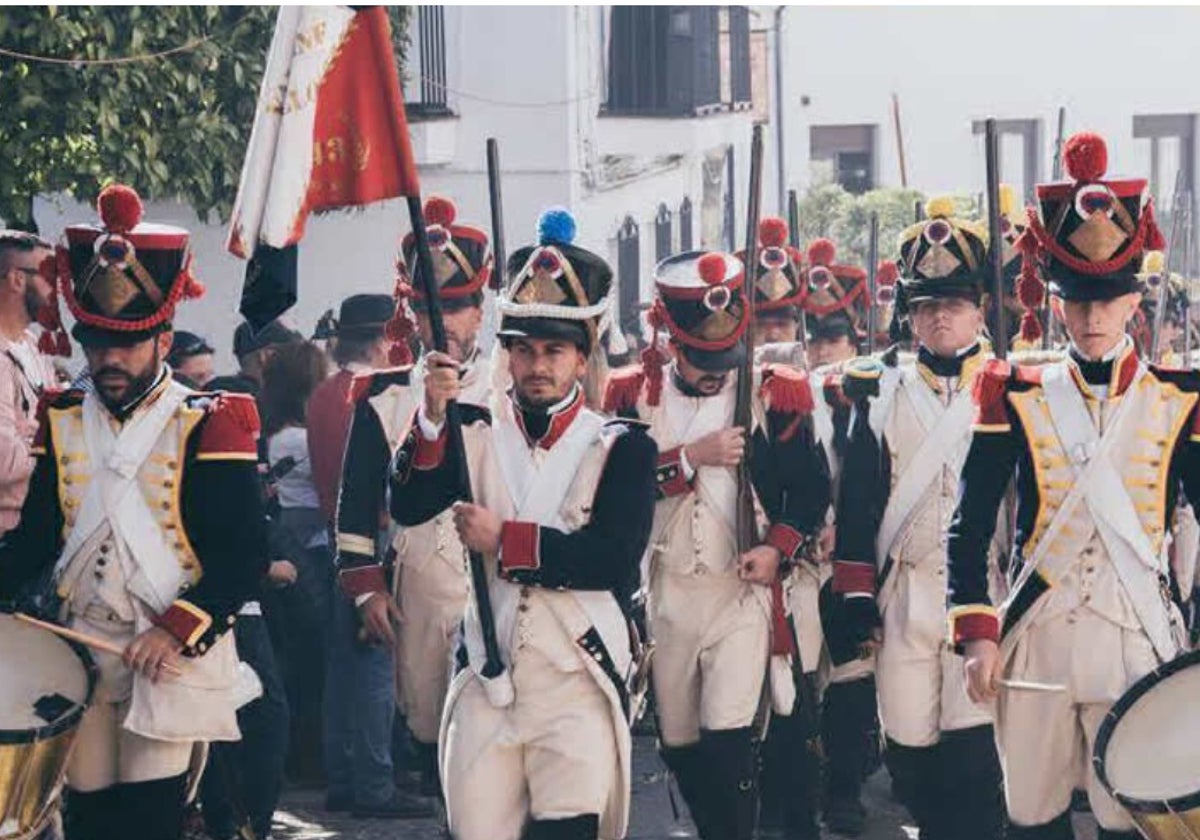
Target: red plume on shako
(120, 208)
(885, 282)
(821, 253)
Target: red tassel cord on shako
(1031, 291)
(54, 340)
(400, 329)
(653, 358)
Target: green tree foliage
(828, 210)
(175, 126)
(896, 208)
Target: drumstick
(85, 639)
(1023, 685)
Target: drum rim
(68, 721)
(1104, 734)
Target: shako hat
(123, 278)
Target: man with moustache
(144, 515)
(421, 619)
(897, 489)
(716, 616)
(1101, 444)
(25, 373)
(563, 507)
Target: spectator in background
(359, 347)
(297, 613)
(191, 359)
(253, 350)
(24, 372)
(254, 765)
(360, 690)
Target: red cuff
(359, 580)
(785, 538)
(519, 546)
(670, 477)
(429, 453)
(185, 621)
(972, 623)
(853, 578)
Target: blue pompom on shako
(556, 226)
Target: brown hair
(290, 376)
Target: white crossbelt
(1099, 485)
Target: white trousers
(551, 755)
(710, 659)
(105, 752)
(1046, 738)
(922, 690)
(432, 598)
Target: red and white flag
(330, 132)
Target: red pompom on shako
(821, 252)
(439, 210)
(773, 232)
(887, 273)
(711, 268)
(120, 208)
(1085, 156)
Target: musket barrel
(995, 242)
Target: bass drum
(46, 686)
(1147, 752)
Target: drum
(46, 686)
(1147, 752)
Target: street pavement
(301, 816)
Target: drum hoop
(69, 720)
(1126, 701)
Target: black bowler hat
(364, 315)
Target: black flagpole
(493, 666)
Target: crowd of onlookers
(327, 715)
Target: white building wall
(951, 65)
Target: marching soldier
(711, 610)
(429, 582)
(779, 293)
(837, 295)
(791, 754)
(145, 511)
(1154, 273)
(563, 509)
(1099, 444)
(898, 487)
